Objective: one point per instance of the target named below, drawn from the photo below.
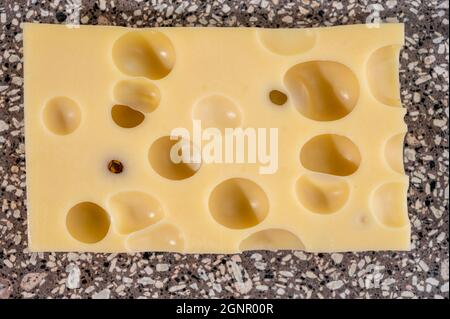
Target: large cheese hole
(322, 90)
(322, 194)
(382, 73)
(393, 152)
(217, 111)
(160, 237)
(87, 222)
(389, 204)
(330, 154)
(271, 239)
(238, 203)
(146, 53)
(133, 211)
(287, 42)
(161, 161)
(62, 115)
(126, 117)
(138, 94)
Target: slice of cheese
(101, 102)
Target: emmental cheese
(322, 105)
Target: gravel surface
(423, 272)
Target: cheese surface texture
(101, 103)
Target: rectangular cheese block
(130, 132)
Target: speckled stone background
(423, 272)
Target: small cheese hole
(322, 194)
(115, 166)
(363, 220)
(133, 211)
(382, 75)
(124, 116)
(281, 41)
(144, 53)
(87, 222)
(393, 152)
(389, 204)
(138, 94)
(330, 154)
(62, 115)
(217, 111)
(160, 159)
(160, 237)
(271, 239)
(238, 203)
(277, 97)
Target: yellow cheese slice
(101, 103)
